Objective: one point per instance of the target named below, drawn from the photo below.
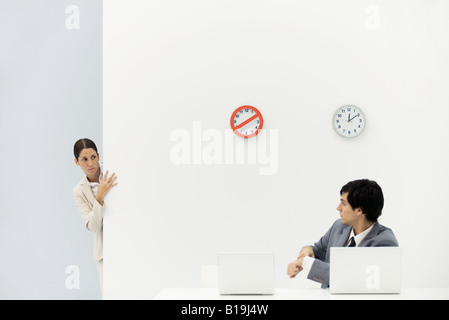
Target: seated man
(360, 206)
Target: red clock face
(246, 121)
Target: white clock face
(349, 121)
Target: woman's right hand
(106, 184)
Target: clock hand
(353, 117)
(349, 116)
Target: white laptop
(365, 270)
(246, 273)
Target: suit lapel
(345, 232)
(88, 191)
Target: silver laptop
(246, 273)
(365, 270)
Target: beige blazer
(92, 213)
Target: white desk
(301, 294)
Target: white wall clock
(349, 121)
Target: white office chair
(209, 276)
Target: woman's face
(88, 161)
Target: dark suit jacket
(337, 236)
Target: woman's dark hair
(366, 195)
(83, 144)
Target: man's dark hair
(366, 195)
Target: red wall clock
(246, 121)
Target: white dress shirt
(308, 261)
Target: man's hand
(294, 268)
(306, 252)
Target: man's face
(348, 215)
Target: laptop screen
(246, 272)
(365, 270)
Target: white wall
(172, 66)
